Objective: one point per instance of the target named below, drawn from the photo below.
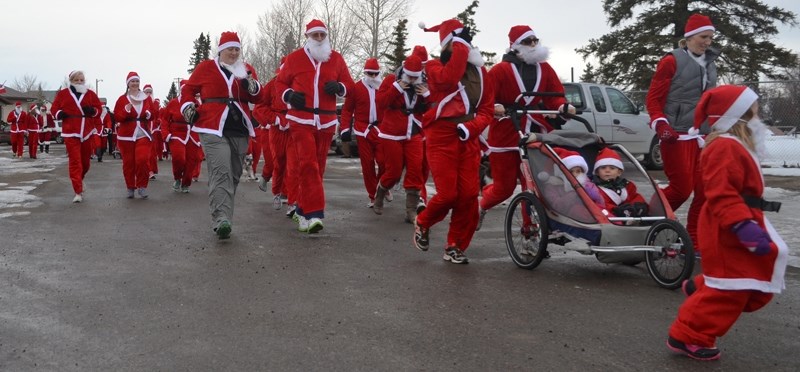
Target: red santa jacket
(360, 110)
(155, 117)
(17, 121)
(398, 110)
(48, 122)
(68, 105)
(105, 123)
(210, 81)
(729, 171)
(177, 127)
(614, 198)
(129, 121)
(263, 112)
(444, 82)
(509, 85)
(302, 74)
(33, 123)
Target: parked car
(616, 118)
(56, 133)
(5, 134)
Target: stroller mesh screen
(557, 193)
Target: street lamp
(97, 86)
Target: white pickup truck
(616, 118)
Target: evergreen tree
(629, 54)
(202, 49)
(173, 92)
(398, 55)
(589, 75)
(466, 18)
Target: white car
(616, 118)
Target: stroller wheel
(673, 260)
(526, 230)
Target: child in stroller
(619, 195)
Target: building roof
(12, 95)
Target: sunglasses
(529, 41)
(371, 73)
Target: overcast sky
(107, 39)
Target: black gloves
(465, 34)
(89, 110)
(190, 114)
(523, 142)
(333, 87)
(631, 210)
(296, 99)
(346, 136)
(249, 84)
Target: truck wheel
(653, 160)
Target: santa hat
(608, 156)
(148, 86)
(316, 26)
(412, 66)
(571, 159)
(372, 65)
(723, 106)
(18, 103)
(73, 73)
(229, 39)
(696, 24)
(421, 53)
(181, 84)
(131, 75)
(33, 106)
(446, 30)
(519, 33)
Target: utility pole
(97, 86)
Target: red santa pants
(454, 166)
(682, 168)
(136, 157)
(398, 154)
(33, 143)
(311, 146)
(17, 143)
(426, 171)
(155, 152)
(78, 154)
(709, 313)
(264, 148)
(201, 156)
(371, 155)
(505, 173)
(292, 176)
(278, 140)
(184, 160)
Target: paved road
(118, 284)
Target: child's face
(576, 171)
(608, 172)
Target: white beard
(760, 133)
(17, 110)
(532, 55)
(136, 97)
(80, 88)
(475, 58)
(238, 68)
(373, 82)
(319, 50)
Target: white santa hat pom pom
(422, 25)
(543, 176)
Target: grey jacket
(687, 87)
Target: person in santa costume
(284, 158)
(680, 79)
(266, 116)
(74, 105)
(16, 119)
(47, 128)
(103, 129)
(310, 81)
(621, 197)
(401, 98)
(744, 258)
(226, 85)
(422, 53)
(361, 117)
(464, 96)
(184, 144)
(154, 127)
(33, 125)
(133, 111)
(523, 70)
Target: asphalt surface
(114, 284)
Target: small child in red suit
(620, 195)
(744, 258)
(561, 195)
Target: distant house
(11, 96)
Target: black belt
(461, 119)
(219, 100)
(135, 119)
(317, 111)
(75, 116)
(760, 203)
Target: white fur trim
(421, 25)
(699, 30)
(367, 70)
(412, 73)
(317, 29)
(524, 36)
(464, 127)
(573, 161)
(450, 37)
(654, 123)
(230, 44)
(735, 111)
(131, 78)
(608, 161)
